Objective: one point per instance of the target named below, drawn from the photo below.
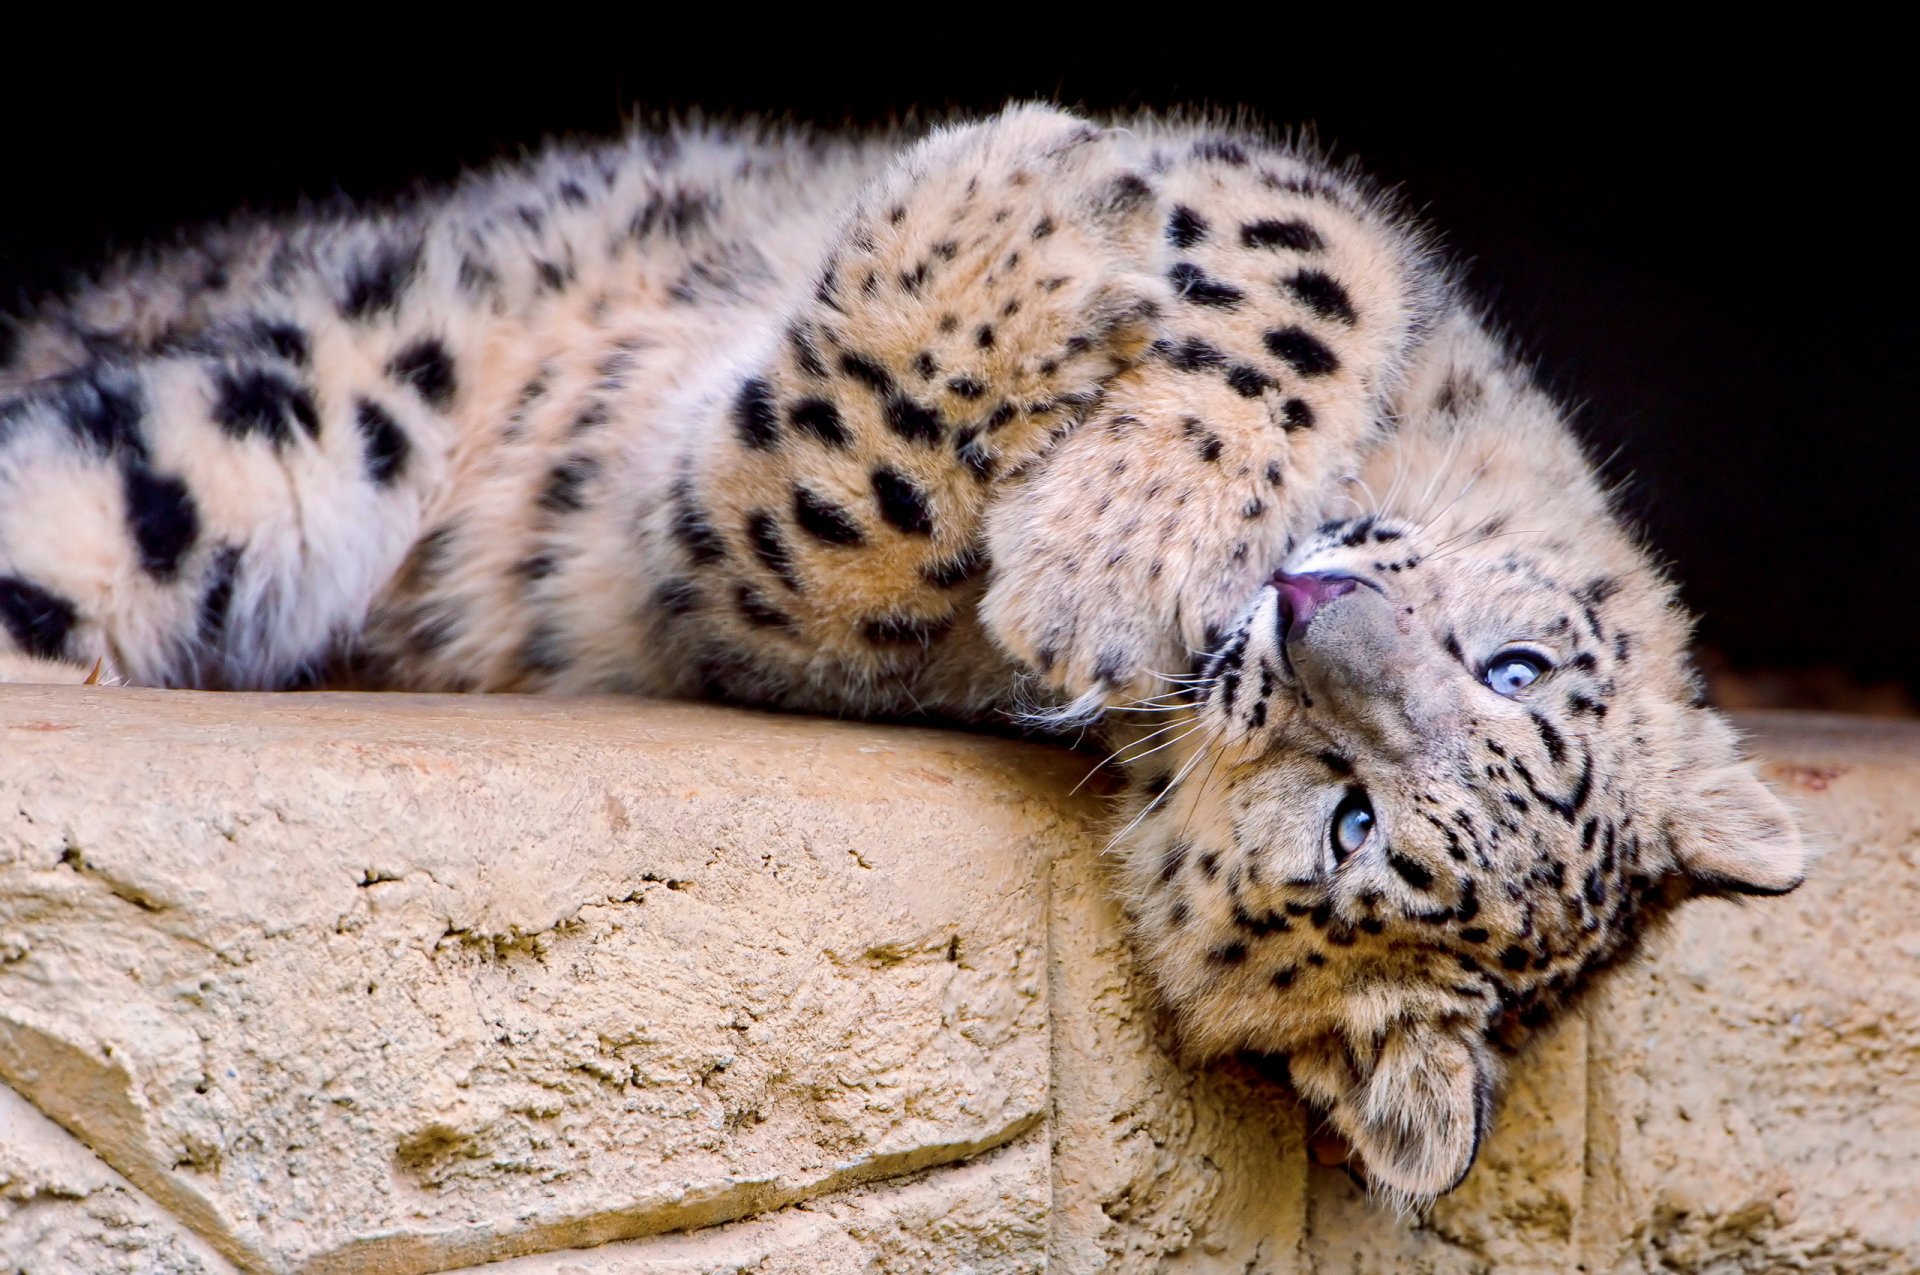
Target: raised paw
(984, 291)
(1293, 303)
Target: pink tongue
(1302, 595)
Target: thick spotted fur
(1026, 415)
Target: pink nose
(1302, 595)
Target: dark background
(1712, 262)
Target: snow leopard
(1166, 427)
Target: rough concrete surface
(337, 983)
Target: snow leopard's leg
(220, 513)
(1138, 361)
(967, 314)
(1297, 301)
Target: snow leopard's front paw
(1139, 540)
(980, 296)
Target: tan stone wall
(328, 983)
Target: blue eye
(1352, 825)
(1511, 672)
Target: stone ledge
(406, 984)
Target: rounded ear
(1730, 834)
(1416, 1112)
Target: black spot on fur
(911, 421)
(755, 418)
(537, 566)
(1321, 293)
(1191, 355)
(428, 368)
(477, 276)
(1305, 353)
(763, 533)
(1186, 227)
(1207, 442)
(1514, 957)
(1294, 235)
(38, 620)
(953, 572)
(1221, 151)
(104, 415)
(562, 492)
(386, 444)
(1336, 763)
(757, 611)
(544, 651)
(867, 372)
(966, 387)
(824, 520)
(163, 517)
(677, 596)
(1260, 925)
(375, 282)
(971, 452)
(1296, 414)
(1550, 738)
(1232, 953)
(1125, 193)
(262, 401)
(692, 530)
(904, 630)
(1172, 861)
(1196, 285)
(1413, 873)
(902, 503)
(283, 339)
(821, 419)
(1248, 382)
(1599, 590)
(805, 356)
(216, 595)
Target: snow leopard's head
(1448, 763)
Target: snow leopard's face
(1443, 772)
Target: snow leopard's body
(1028, 412)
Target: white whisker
(1167, 743)
(1148, 809)
(1482, 540)
(1123, 748)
